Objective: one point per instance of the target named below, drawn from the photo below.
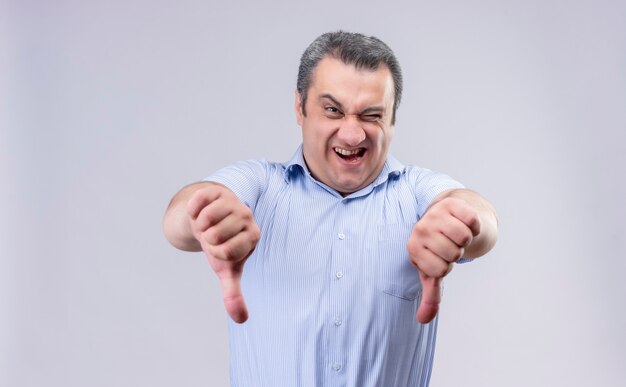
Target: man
(327, 257)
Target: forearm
(486, 239)
(176, 224)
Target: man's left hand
(438, 240)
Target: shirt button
(339, 274)
(342, 236)
(336, 366)
(338, 321)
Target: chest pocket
(396, 275)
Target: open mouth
(352, 155)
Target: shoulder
(257, 169)
(425, 184)
(423, 178)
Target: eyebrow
(330, 97)
(369, 110)
(373, 109)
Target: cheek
(322, 134)
(376, 137)
(385, 136)
(317, 133)
(315, 142)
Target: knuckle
(231, 252)
(421, 264)
(472, 216)
(414, 247)
(456, 255)
(435, 268)
(441, 270)
(192, 204)
(255, 234)
(246, 214)
(223, 252)
(448, 203)
(210, 237)
(476, 226)
(214, 252)
(213, 190)
(464, 237)
(208, 213)
(431, 271)
(203, 216)
(421, 229)
(214, 236)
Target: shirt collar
(295, 163)
(392, 168)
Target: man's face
(347, 128)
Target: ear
(298, 107)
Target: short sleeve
(247, 179)
(428, 184)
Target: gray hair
(351, 48)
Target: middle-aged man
(338, 251)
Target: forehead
(351, 85)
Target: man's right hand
(228, 234)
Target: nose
(351, 131)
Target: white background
(107, 108)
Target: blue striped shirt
(331, 293)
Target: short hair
(351, 48)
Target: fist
(228, 234)
(438, 240)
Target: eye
(332, 111)
(371, 117)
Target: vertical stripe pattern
(331, 293)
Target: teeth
(346, 152)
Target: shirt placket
(342, 276)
